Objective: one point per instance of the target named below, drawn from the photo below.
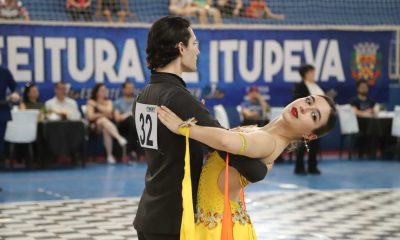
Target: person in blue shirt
(254, 108)
(6, 82)
(363, 105)
(124, 120)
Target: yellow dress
(210, 205)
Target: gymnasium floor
(358, 199)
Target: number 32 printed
(146, 125)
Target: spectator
(306, 88)
(78, 8)
(7, 82)
(254, 108)
(187, 8)
(363, 106)
(62, 106)
(212, 11)
(230, 8)
(99, 114)
(124, 119)
(260, 9)
(30, 100)
(118, 7)
(12, 9)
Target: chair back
(396, 122)
(347, 119)
(239, 110)
(221, 116)
(84, 110)
(23, 127)
(275, 112)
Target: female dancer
(306, 118)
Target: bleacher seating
(305, 12)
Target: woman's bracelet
(187, 124)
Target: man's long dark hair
(163, 39)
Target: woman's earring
(306, 145)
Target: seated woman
(99, 114)
(30, 100)
(304, 119)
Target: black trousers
(151, 236)
(128, 130)
(3, 126)
(312, 155)
(259, 123)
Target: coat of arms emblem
(366, 63)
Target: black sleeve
(11, 84)
(253, 170)
(186, 106)
(372, 103)
(354, 103)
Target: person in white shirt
(61, 106)
(305, 88)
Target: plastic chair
(275, 112)
(22, 129)
(396, 122)
(396, 129)
(348, 126)
(221, 116)
(239, 110)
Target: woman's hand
(169, 119)
(91, 103)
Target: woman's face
(304, 115)
(33, 93)
(102, 93)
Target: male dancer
(172, 48)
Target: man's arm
(187, 106)
(11, 83)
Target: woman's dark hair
(27, 90)
(95, 90)
(330, 124)
(163, 38)
(304, 69)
